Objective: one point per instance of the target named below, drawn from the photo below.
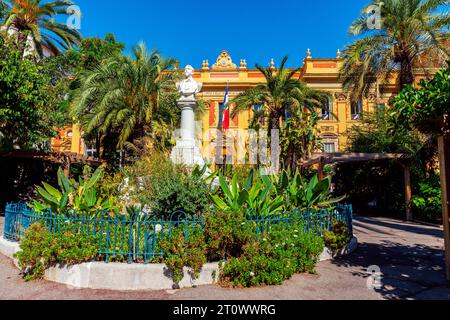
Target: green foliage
(412, 35)
(81, 196)
(124, 99)
(281, 92)
(180, 252)
(375, 135)
(338, 237)
(226, 233)
(93, 51)
(273, 260)
(254, 195)
(167, 188)
(424, 107)
(299, 193)
(27, 120)
(299, 138)
(40, 250)
(427, 203)
(40, 19)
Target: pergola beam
(65, 159)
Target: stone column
(186, 152)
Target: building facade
(318, 73)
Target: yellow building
(318, 73)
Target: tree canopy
(27, 116)
(411, 34)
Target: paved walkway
(410, 257)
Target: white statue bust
(189, 87)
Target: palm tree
(122, 96)
(281, 92)
(410, 30)
(35, 19)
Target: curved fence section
(136, 238)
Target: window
(327, 110)
(330, 143)
(329, 147)
(357, 109)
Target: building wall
(321, 74)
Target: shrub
(168, 188)
(274, 259)
(40, 250)
(428, 203)
(180, 252)
(226, 233)
(81, 196)
(338, 237)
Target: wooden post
(444, 159)
(408, 192)
(321, 170)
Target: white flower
(243, 223)
(296, 231)
(295, 236)
(252, 274)
(158, 228)
(264, 239)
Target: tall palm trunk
(274, 119)
(406, 72)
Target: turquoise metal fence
(136, 237)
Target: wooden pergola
(323, 159)
(65, 159)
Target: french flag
(226, 112)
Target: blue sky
(194, 30)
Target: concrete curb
(134, 277)
(8, 248)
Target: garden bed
(134, 277)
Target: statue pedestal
(186, 151)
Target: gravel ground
(409, 255)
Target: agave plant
(81, 196)
(254, 195)
(302, 194)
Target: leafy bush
(255, 195)
(338, 237)
(274, 259)
(81, 196)
(180, 252)
(428, 203)
(301, 193)
(40, 250)
(226, 233)
(167, 188)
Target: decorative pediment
(224, 62)
(340, 97)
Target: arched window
(357, 109)
(327, 111)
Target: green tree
(375, 135)
(280, 93)
(428, 109)
(410, 30)
(27, 119)
(38, 19)
(122, 98)
(299, 138)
